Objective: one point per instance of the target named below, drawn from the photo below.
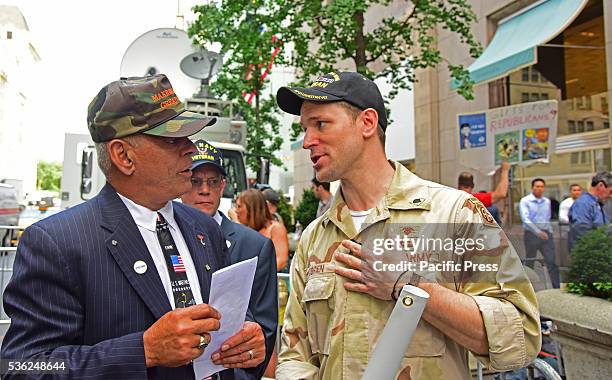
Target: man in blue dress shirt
(587, 212)
(535, 210)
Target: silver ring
(251, 355)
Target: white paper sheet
(230, 291)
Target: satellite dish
(160, 51)
(202, 65)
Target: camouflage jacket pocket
(426, 341)
(319, 305)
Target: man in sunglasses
(208, 182)
(587, 213)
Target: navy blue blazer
(74, 294)
(246, 243)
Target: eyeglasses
(212, 183)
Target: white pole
(395, 339)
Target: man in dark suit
(209, 182)
(116, 288)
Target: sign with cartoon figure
(507, 147)
(472, 131)
(522, 134)
(535, 144)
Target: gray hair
(104, 160)
(603, 176)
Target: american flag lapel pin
(201, 239)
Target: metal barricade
(7, 258)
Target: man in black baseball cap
(333, 100)
(343, 119)
(352, 88)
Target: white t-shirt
(359, 217)
(564, 208)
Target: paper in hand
(230, 291)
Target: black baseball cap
(207, 154)
(350, 87)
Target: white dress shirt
(217, 217)
(146, 220)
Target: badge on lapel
(201, 239)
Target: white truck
(82, 179)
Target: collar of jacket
(406, 192)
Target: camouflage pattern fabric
(141, 105)
(329, 332)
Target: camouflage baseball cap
(141, 105)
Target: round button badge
(140, 267)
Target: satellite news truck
(82, 179)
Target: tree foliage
(325, 36)
(48, 175)
(285, 210)
(306, 210)
(245, 29)
(329, 34)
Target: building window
(587, 102)
(524, 97)
(9, 35)
(525, 74)
(602, 159)
(535, 97)
(579, 103)
(604, 105)
(571, 126)
(589, 126)
(575, 157)
(580, 126)
(580, 158)
(606, 125)
(535, 75)
(544, 96)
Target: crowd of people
(580, 212)
(123, 280)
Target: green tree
(306, 211)
(246, 31)
(48, 175)
(400, 43)
(324, 36)
(285, 210)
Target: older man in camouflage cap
(116, 288)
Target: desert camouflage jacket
(329, 332)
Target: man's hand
(360, 270)
(173, 340)
(246, 349)
(543, 235)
